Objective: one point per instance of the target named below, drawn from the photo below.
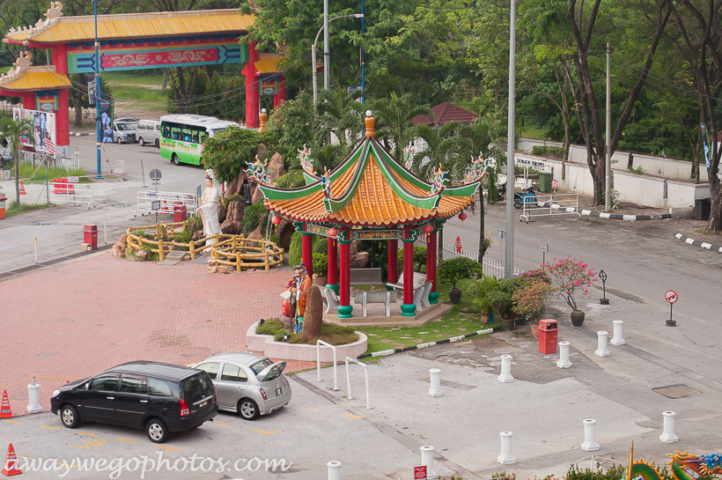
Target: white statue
(209, 207)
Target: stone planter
(577, 318)
(455, 295)
(534, 330)
(321, 281)
(507, 324)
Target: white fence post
(590, 443)
(435, 380)
(318, 362)
(602, 350)
(617, 339)
(427, 460)
(334, 470)
(34, 398)
(564, 361)
(505, 376)
(668, 435)
(506, 457)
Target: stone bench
(422, 289)
(379, 296)
(366, 277)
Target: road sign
(155, 175)
(73, 179)
(555, 184)
(457, 245)
(420, 473)
(671, 296)
(269, 90)
(353, 89)
(500, 233)
(155, 205)
(545, 247)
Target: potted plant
(479, 291)
(456, 269)
(500, 298)
(320, 266)
(529, 301)
(571, 276)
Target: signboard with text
(420, 473)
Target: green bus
(182, 136)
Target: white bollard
(506, 457)
(590, 443)
(435, 378)
(334, 470)
(564, 361)
(427, 460)
(505, 376)
(668, 435)
(602, 350)
(617, 339)
(34, 398)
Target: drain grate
(676, 391)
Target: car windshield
(123, 126)
(259, 366)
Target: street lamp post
(98, 93)
(326, 74)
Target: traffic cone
(11, 463)
(5, 411)
(22, 188)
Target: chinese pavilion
(370, 196)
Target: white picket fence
(491, 266)
(168, 200)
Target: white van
(148, 132)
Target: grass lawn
(532, 131)
(133, 78)
(24, 207)
(330, 333)
(149, 99)
(27, 170)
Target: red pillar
(60, 60)
(393, 261)
(408, 308)
(307, 252)
(252, 99)
(345, 309)
(29, 101)
(331, 272)
(431, 267)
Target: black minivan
(157, 397)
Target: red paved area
(76, 319)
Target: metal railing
(168, 200)
(320, 343)
(348, 381)
(75, 193)
(549, 206)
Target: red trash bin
(180, 213)
(548, 335)
(3, 199)
(90, 237)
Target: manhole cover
(676, 391)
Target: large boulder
(275, 166)
(234, 215)
(360, 260)
(285, 232)
(313, 319)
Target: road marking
(264, 432)
(50, 428)
(93, 443)
(351, 416)
(29, 458)
(221, 425)
(37, 376)
(169, 449)
(13, 421)
(124, 440)
(313, 410)
(86, 433)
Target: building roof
(59, 29)
(267, 66)
(445, 113)
(369, 188)
(24, 77)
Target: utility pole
(509, 257)
(326, 54)
(608, 163)
(98, 93)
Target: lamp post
(326, 78)
(98, 93)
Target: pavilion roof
(59, 29)
(444, 113)
(24, 77)
(267, 63)
(369, 188)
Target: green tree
(13, 132)
(439, 149)
(394, 121)
(231, 151)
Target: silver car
(248, 384)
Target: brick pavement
(76, 319)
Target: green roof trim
(334, 205)
(427, 203)
(402, 172)
(461, 191)
(310, 179)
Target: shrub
(320, 264)
(459, 268)
(529, 300)
(570, 275)
(295, 254)
(419, 258)
(253, 216)
(548, 151)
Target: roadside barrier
(334, 470)
(64, 192)
(617, 339)
(602, 350)
(668, 435)
(427, 460)
(564, 355)
(555, 205)
(506, 457)
(435, 381)
(348, 381)
(5, 411)
(590, 443)
(145, 199)
(320, 343)
(505, 376)
(34, 398)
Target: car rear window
(159, 388)
(197, 387)
(259, 366)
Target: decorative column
(393, 261)
(332, 267)
(307, 252)
(60, 60)
(345, 309)
(431, 267)
(280, 97)
(252, 99)
(29, 101)
(408, 309)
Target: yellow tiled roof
(267, 65)
(125, 26)
(34, 78)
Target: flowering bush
(571, 275)
(536, 275)
(530, 299)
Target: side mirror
(87, 386)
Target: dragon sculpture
(479, 168)
(306, 161)
(684, 466)
(408, 157)
(326, 182)
(440, 177)
(258, 171)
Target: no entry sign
(555, 184)
(671, 296)
(420, 473)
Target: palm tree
(13, 132)
(478, 138)
(439, 149)
(395, 124)
(341, 115)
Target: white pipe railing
(348, 380)
(320, 343)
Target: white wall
(641, 189)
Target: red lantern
(333, 232)
(429, 229)
(462, 217)
(276, 220)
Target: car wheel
(157, 143)
(69, 416)
(248, 409)
(175, 160)
(156, 431)
(142, 142)
(517, 202)
(118, 140)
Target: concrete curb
(692, 241)
(609, 216)
(384, 353)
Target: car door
(131, 401)
(99, 402)
(231, 385)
